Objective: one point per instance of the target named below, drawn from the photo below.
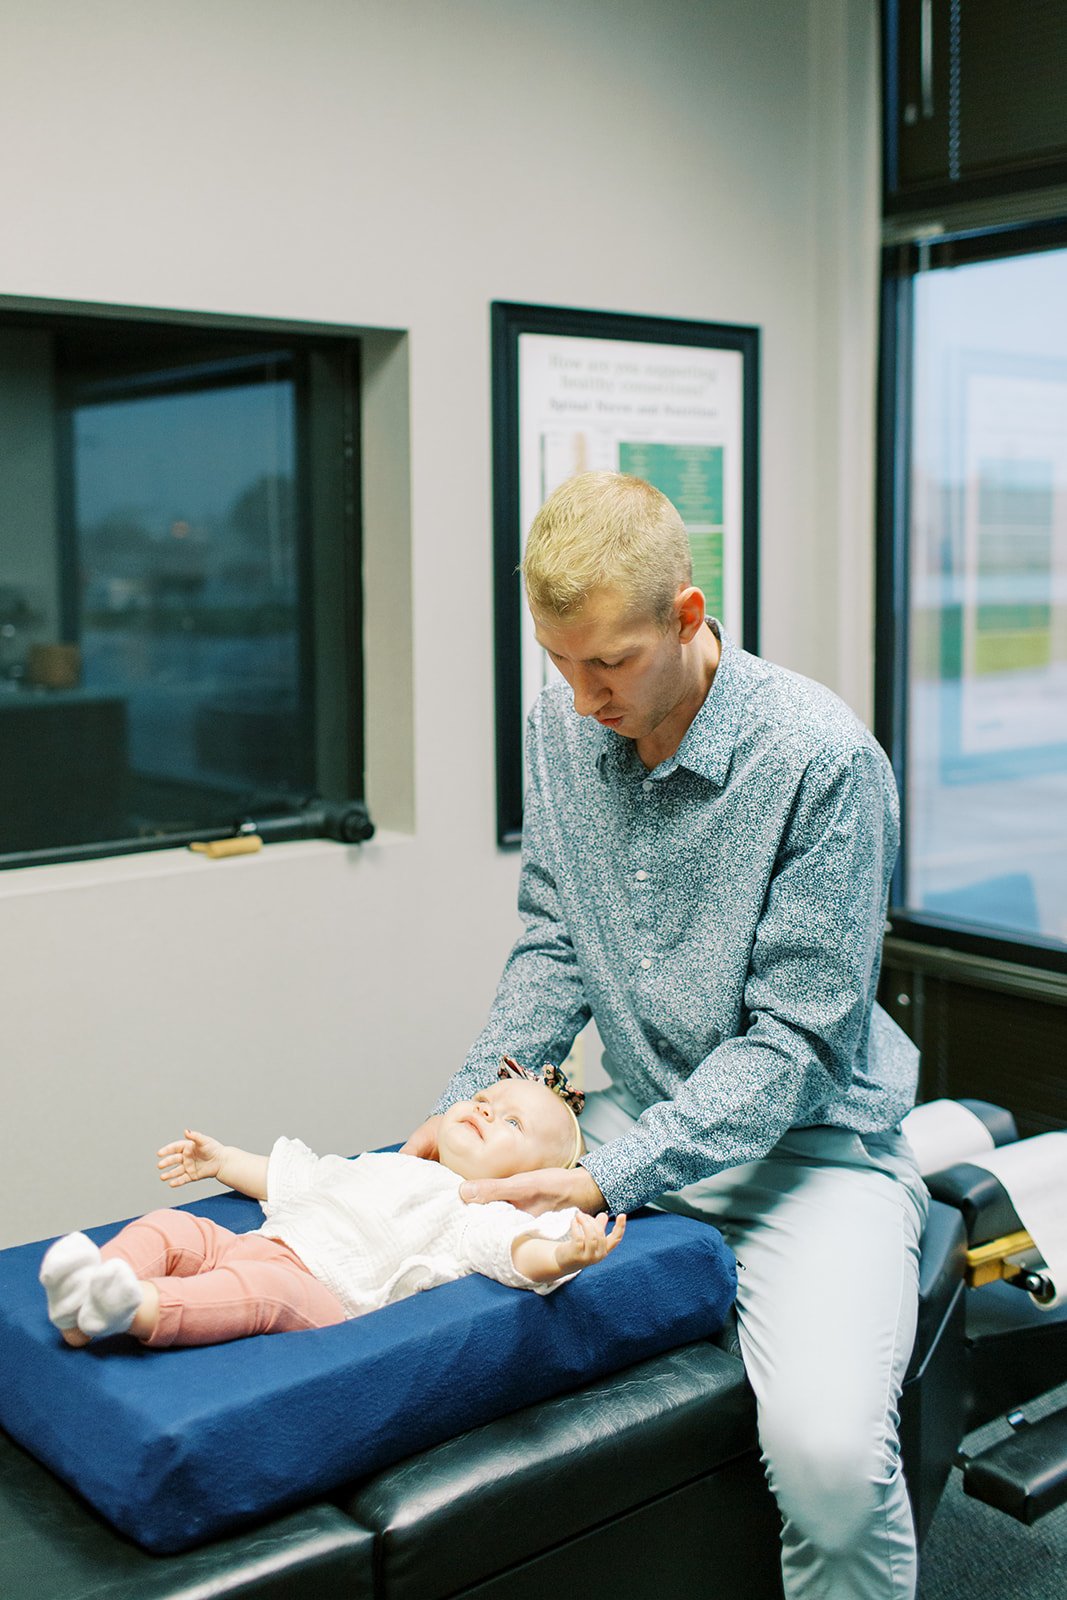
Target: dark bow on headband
(553, 1078)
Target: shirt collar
(708, 745)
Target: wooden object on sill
(243, 844)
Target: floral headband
(553, 1078)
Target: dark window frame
(901, 263)
(328, 447)
(936, 57)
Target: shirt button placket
(645, 828)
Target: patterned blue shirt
(721, 918)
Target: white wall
(399, 164)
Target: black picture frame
(509, 321)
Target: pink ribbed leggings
(215, 1285)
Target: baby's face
(513, 1126)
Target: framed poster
(674, 402)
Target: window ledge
(175, 862)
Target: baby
(342, 1236)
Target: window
(973, 602)
(179, 577)
(973, 101)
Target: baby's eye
(514, 1122)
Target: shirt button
(646, 963)
(661, 1044)
(647, 786)
(641, 876)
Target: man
(707, 847)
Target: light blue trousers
(826, 1229)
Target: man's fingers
(517, 1191)
(548, 1189)
(485, 1190)
(423, 1141)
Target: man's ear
(690, 611)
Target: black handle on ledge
(347, 821)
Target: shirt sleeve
(808, 995)
(540, 1005)
(291, 1169)
(489, 1231)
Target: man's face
(624, 669)
(513, 1126)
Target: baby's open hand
(188, 1160)
(589, 1241)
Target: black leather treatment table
(638, 1485)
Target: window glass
(188, 586)
(986, 763)
(177, 560)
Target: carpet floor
(973, 1552)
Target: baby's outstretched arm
(588, 1242)
(199, 1156)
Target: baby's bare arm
(588, 1242)
(199, 1156)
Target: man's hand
(423, 1142)
(548, 1189)
(189, 1160)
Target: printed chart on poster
(670, 415)
(669, 402)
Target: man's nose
(589, 693)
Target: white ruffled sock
(113, 1299)
(65, 1272)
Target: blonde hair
(606, 530)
